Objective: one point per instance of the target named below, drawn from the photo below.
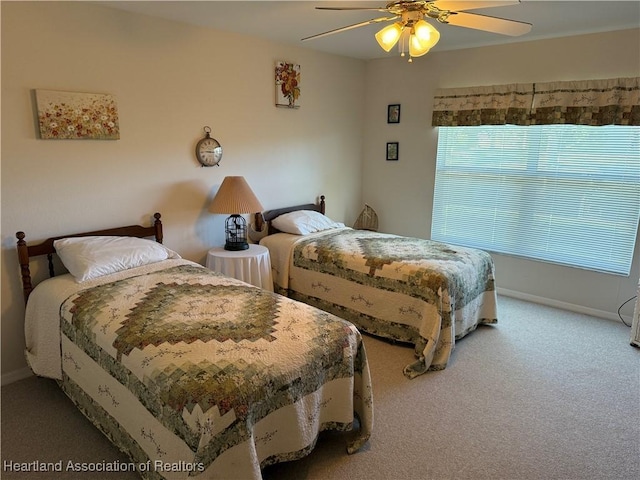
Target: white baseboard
(16, 375)
(558, 304)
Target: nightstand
(252, 266)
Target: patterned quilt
(406, 289)
(196, 374)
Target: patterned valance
(596, 102)
(493, 105)
(592, 102)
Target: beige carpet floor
(544, 394)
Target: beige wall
(172, 79)
(169, 80)
(402, 191)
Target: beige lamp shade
(235, 196)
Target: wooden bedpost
(258, 221)
(158, 227)
(23, 259)
(322, 204)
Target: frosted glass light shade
(417, 48)
(389, 36)
(424, 36)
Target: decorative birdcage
(236, 233)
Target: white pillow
(302, 222)
(91, 257)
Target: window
(567, 194)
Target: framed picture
(287, 85)
(392, 150)
(393, 113)
(75, 115)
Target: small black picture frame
(393, 113)
(392, 151)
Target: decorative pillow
(302, 222)
(91, 257)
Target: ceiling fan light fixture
(412, 29)
(389, 36)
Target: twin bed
(189, 372)
(192, 373)
(425, 293)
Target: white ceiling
(290, 21)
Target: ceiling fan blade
(379, 9)
(349, 27)
(477, 21)
(458, 5)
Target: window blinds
(568, 194)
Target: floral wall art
(287, 85)
(72, 115)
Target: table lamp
(235, 197)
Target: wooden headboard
(26, 252)
(269, 215)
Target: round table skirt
(252, 266)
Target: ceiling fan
(412, 29)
